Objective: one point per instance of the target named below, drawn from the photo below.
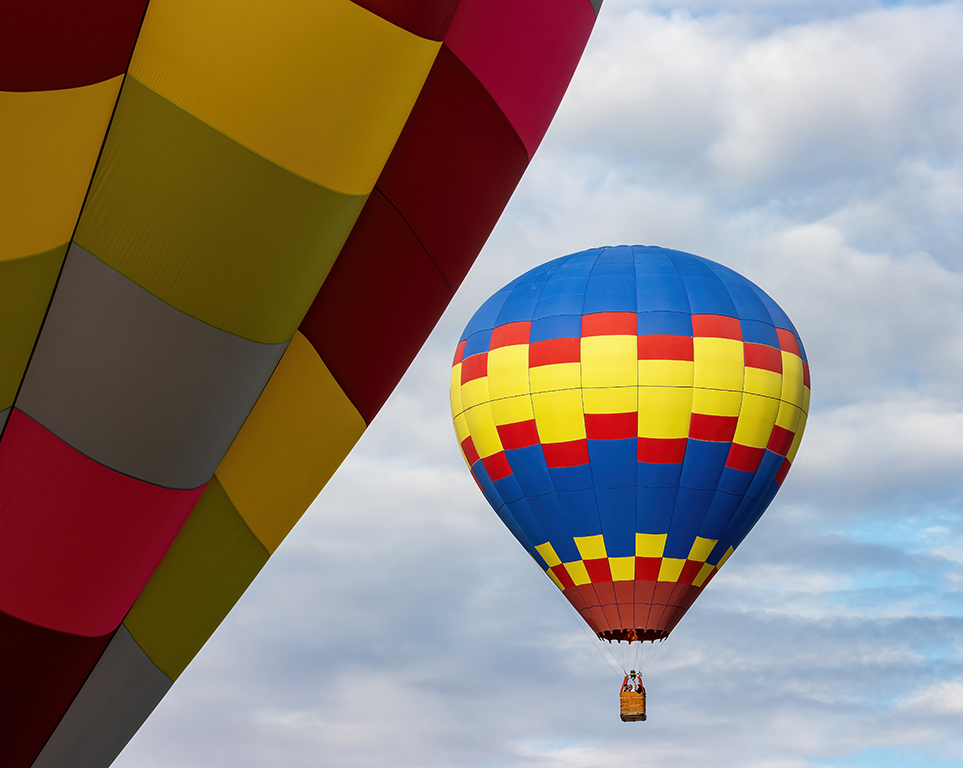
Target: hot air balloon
(227, 228)
(629, 413)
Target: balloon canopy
(630, 413)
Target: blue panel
(525, 521)
(735, 481)
(562, 295)
(768, 467)
(683, 259)
(610, 293)
(530, 470)
(521, 302)
(572, 478)
(703, 464)
(581, 510)
(749, 521)
(484, 318)
(759, 333)
(746, 300)
(721, 511)
(614, 463)
(509, 517)
(646, 255)
(481, 475)
(658, 475)
(665, 323)
(707, 294)
(779, 318)
(556, 327)
(654, 509)
(617, 512)
(478, 342)
(690, 510)
(661, 291)
(508, 489)
(616, 254)
(548, 514)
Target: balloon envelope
(630, 413)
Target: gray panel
(3, 417)
(117, 698)
(597, 5)
(138, 385)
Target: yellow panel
(762, 382)
(665, 373)
(25, 289)
(716, 402)
(546, 378)
(481, 425)
(578, 573)
(321, 88)
(671, 568)
(756, 420)
(211, 562)
(300, 430)
(49, 142)
(650, 544)
(722, 560)
(610, 361)
(701, 548)
(703, 574)
(792, 379)
(455, 390)
(474, 393)
(207, 225)
(558, 416)
(623, 568)
(512, 409)
(461, 428)
(547, 551)
(664, 411)
(611, 400)
(788, 416)
(719, 363)
(508, 371)
(798, 438)
(591, 547)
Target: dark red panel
(576, 596)
(657, 450)
(788, 341)
(554, 351)
(40, 673)
(474, 367)
(717, 326)
(454, 167)
(376, 307)
(459, 352)
(611, 426)
(468, 448)
(510, 334)
(783, 471)
(47, 45)
(78, 541)
(806, 381)
(745, 458)
(610, 324)
(521, 434)
(599, 572)
(497, 466)
(703, 426)
(660, 347)
(780, 441)
(524, 53)
(426, 18)
(647, 569)
(573, 453)
(689, 571)
(762, 356)
(561, 573)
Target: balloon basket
(633, 706)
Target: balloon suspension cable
(581, 623)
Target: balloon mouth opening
(633, 635)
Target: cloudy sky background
(815, 146)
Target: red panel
(376, 307)
(510, 334)
(644, 588)
(562, 575)
(654, 450)
(468, 448)
(474, 367)
(647, 568)
(588, 616)
(780, 440)
(426, 18)
(717, 326)
(553, 351)
(600, 622)
(783, 471)
(603, 588)
(521, 434)
(744, 458)
(459, 353)
(788, 341)
(497, 466)
(41, 670)
(660, 347)
(613, 619)
(806, 381)
(610, 324)
(599, 571)
(579, 597)
(78, 541)
(453, 168)
(46, 45)
(625, 599)
(715, 428)
(762, 356)
(611, 426)
(689, 571)
(571, 454)
(524, 53)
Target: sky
(817, 148)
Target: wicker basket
(633, 706)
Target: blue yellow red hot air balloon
(630, 413)
(227, 227)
